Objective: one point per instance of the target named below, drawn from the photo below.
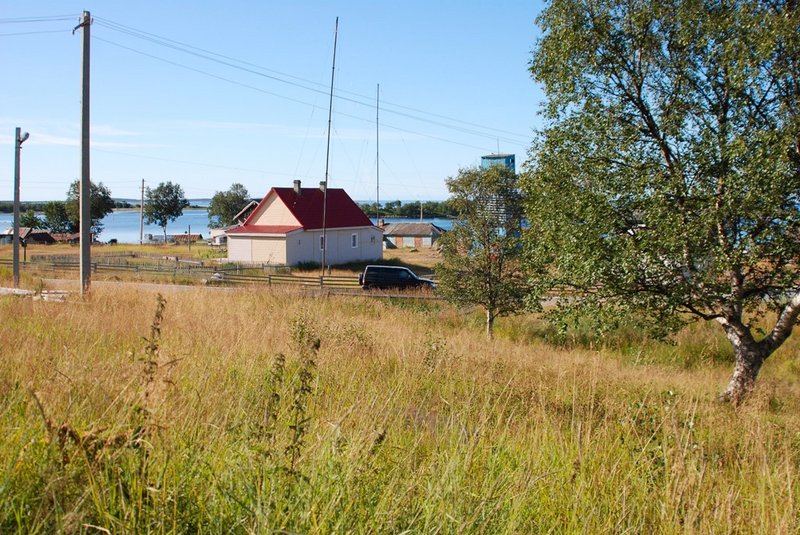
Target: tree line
(163, 204)
(7, 207)
(414, 209)
(225, 205)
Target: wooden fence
(208, 274)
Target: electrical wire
(200, 164)
(52, 18)
(276, 76)
(32, 33)
(290, 99)
(279, 77)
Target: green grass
(404, 419)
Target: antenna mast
(328, 153)
(377, 157)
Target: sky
(206, 94)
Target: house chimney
(322, 186)
(297, 187)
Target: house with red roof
(286, 228)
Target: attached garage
(269, 250)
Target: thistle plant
(307, 345)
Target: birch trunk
(750, 354)
(745, 370)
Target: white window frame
(321, 242)
(354, 240)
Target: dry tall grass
(409, 420)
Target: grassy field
(421, 261)
(259, 411)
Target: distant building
(218, 236)
(495, 205)
(71, 238)
(507, 160)
(416, 235)
(27, 235)
(185, 238)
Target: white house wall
(341, 251)
(304, 246)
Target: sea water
(123, 225)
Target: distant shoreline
(136, 209)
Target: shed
(412, 234)
(27, 235)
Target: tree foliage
(28, 218)
(101, 204)
(163, 204)
(56, 218)
(667, 180)
(226, 204)
(481, 255)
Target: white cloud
(106, 130)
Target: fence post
(321, 281)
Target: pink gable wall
(273, 212)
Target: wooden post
(19, 138)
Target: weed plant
(275, 412)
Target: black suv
(391, 277)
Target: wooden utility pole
(141, 217)
(86, 184)
(19, 139)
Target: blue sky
(249, 103)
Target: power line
(200, 71)
(258, 70)
(201, 164)
(290, 99)
(281, 77)
(32, 33)
(52, 18)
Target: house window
(321, 243)
(354, 240)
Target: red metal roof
(262, 229)
(306, 207)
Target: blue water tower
(499, 159)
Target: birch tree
(481, 256)
(667, 178)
